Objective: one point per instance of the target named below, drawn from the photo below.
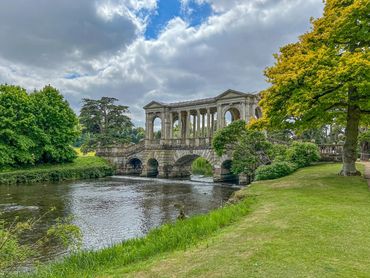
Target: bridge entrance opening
(152, 168)
(134, 167)
(258, 112)
(157, 128)
(226, 174)
(176, 133)
(231, 115)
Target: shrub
(275, 170)
(303, 154)
(278, 152)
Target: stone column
(198, 123)
(208, 123)
(194, 126)
(203, 128)
(187, 129)
(180, 125)
(219, 124)
(212, 123)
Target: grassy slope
(79, 168)
(313, 223)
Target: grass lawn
(312, 223)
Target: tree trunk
(351, 137)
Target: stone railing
(121, 150)
(330, 152)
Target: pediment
(230, 94)
(154, 104)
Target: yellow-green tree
(325, 76)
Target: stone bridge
(177, 133)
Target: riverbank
(81, 168)
(311, 223)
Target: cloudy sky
(138, 51)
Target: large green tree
(35, 128)
(325, 76)
(106, 122)
(18, 130)
(57, 124)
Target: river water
(109, 210)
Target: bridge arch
(134, 166)
(226, 175)
(231, 114)
(152, 168)
(156, 127)
(183, 161)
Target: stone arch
(258, 112)
(184, 159)
(134, 166)
(157, 127)
(152, 167)
(176, 132)
(226, 174)
(231, 114)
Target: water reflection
(109, 210)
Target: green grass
(80, 168)
(312, 223)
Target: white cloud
(229, 50)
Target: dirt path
(367, 172)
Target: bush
(275, 170)
(303, 154)
(279, 152)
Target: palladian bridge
(178, 133)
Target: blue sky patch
(72, 75)
(195, 14)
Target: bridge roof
(227, 94)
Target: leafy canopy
(250, 147)
(36, 128)
(106, 122)
(314, 80)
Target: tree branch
(327, 92)
(365, 111)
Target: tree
(250, 147)
(57, 124)
(18, 130)
(106, 122)
(324, 77)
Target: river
(109, 210)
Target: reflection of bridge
(185, 133)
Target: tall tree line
(35, 128)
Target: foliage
(81, 168)
(250, 147)
(274, 170)
(136, 134)
(58, 126)
(201, 166)
(106, 122)
(303, 154)
(228, 136)
(324, 77)
(251, 151)
(36, 128)
(279, 152)
(15, 251)
(18, 130)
